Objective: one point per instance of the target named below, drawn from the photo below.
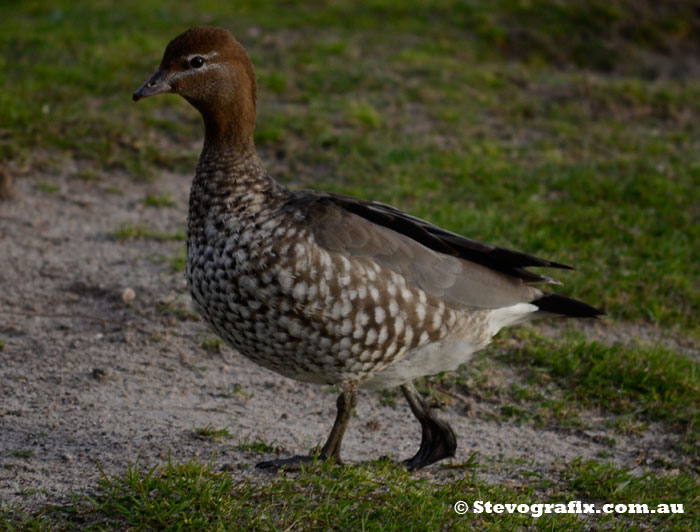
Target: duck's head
(210, 69)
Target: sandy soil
(87, 379)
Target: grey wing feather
(463, 283)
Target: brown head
(210, 69)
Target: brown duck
(325, 288)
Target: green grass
(655, 382)
(87, 174)
(175, 309)
(134, 232)
(212, 432)
(49, 188)
(213, 345)
(23, 453)
(257, 445)
(375, 496)
(159, 200)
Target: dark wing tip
(566, 306)
(514, 263)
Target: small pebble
(99, 374)
(128, 295)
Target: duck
(326, 288)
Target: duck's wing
(460, 270)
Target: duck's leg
(437, 441)
(347, 401)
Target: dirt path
(86, 378)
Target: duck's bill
(156, 84)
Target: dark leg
(347, 401)
(438, 441)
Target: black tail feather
(566, 306)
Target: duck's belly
(427, 360)
(314, 315)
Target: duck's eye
(197, 61)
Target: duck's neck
(231, 179)
(229, 121)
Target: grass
(213, 345)
(378, 495)
(655, 382)
(212, 432)
(257, 445)
(23, 453)
(87, 174)
(175, 309)
(177, 261)
(49, 188)
(159, 200)
(139, 231)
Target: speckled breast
(271, 292)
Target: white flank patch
(428, 360)
(503, 317)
